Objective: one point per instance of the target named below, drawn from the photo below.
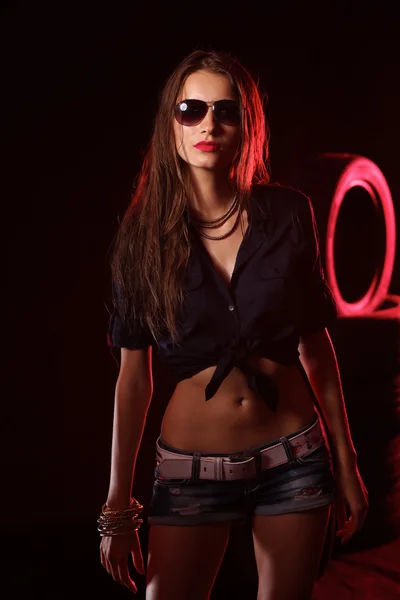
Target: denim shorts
(303, 483)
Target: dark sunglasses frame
(202, 107)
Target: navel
(241, 400)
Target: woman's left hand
(351, 491)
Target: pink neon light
(366, 174)
(391, 311)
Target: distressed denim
(301, 484)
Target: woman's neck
(212, 194)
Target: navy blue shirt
(277, 293)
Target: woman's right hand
(114, 552)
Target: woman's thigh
(183, 561)
(291, 512)
(288, 549)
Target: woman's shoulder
(280, 199)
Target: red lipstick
(207, 146)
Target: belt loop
(288, 449)
(258, 462)
(195, 467)
(219, 469)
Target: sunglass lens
(227, 112)
(190, 112)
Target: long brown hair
(151, 246)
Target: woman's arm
(133, 393)
(318, 358)
(319, 361)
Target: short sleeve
(123, 335)
(316, 307)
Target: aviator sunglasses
(192, 112)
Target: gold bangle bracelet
(120, 521)
(106, 532)
(133, 505)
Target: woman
(221, 272)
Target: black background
(81, 88)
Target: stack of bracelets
(119, 522)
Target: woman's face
(209, 87)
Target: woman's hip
(290, 474)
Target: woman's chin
(210, 164)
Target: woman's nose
(209, 120)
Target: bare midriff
(235, 418)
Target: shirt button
(231, 307)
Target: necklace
(214, 223)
